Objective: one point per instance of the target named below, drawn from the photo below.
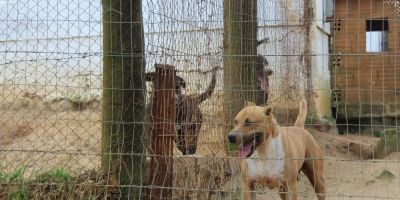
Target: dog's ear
(268, 72)
(180, 82)
(268, 110)
(250, 103)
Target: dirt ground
(347, 176)
(43, 134)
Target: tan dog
(273, 156)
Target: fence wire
(340, 55)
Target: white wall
(320, 74)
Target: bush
(389, 142)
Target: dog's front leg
(248, 191)
(293, 189)
(248, 185)
(283, 189)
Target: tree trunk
(240, 51)
(124, 95)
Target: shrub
(389, 142)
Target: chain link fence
(51, 97)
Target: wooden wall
(360, 77)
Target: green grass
(3, 177)
(15, 176)
(57, 183)
(18, 174)
(18, 185)
(385, 175)
(389, 142)
(55, 175)
(19, 193)
(375, 133)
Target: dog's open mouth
(247, 148)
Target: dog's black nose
(232, 138)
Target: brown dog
(273, 156)
(188, 116)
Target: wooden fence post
(163, 134)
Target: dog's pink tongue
(244, 150)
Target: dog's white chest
(269, 166)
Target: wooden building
(365, 45)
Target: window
(377, 35)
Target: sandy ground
(347, 177)
(42, 135)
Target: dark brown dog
(262, 75)
(179, 82)
(263, 85)
(188, 117)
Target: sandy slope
(42, 134)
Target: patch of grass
(389, 142)
(376, 133)
(19, 193)
(57, 183)
(18, 174)
(3, 177)
(15, 176)
(385, 175)
(55, 175)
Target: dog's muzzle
(247, 143)
(232, 136)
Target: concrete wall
(320, 74)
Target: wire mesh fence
(339, 55)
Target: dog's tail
(301, 118)
(210, 89)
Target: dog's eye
(235, 122)
(247, 122)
